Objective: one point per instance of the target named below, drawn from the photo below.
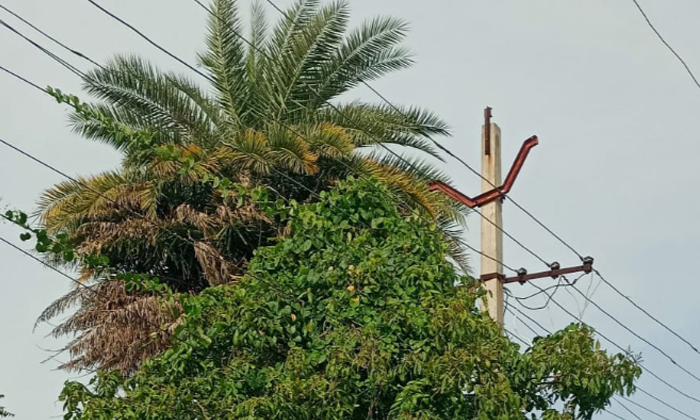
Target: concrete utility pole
(491, 203)
(492, 222)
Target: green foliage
(193, 153)
(354, 315)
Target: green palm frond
(259, 88)
(68, 204)
(225, 57)
(296, 70)
(367, 53)
(293, 22)
(133, 84)
(372, 124)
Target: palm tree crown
(271, 116)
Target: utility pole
(492, 220)
(491, 202)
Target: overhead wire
(606, 338)
(634, 333)
(546, 330)
(150, 41)
(617, 400)
(56, 41)
(668, 46)
(56, 58)
(645, 312)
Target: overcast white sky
(615, 173)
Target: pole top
(487, 131)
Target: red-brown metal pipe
(495, 193)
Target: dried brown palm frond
(113, 328)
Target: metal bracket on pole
(554, 273)
(498, 192)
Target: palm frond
(150, 98)
(225, 57)
(258, 86)
(66, 205)
(294, 20)
(367, 53)
(373, 124)
(250, 152)
(296, 72)
(330, 141)
(291, 152)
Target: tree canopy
(354, 314)
(262, 117)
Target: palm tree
(272, 117)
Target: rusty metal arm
(495, 193)
(554, 273)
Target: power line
(616, 345)
(17, 76)
(604, 337)
(628, 329)
(26, 22)
(615, 415)
(56, 58)
(663, 40)
(662, 402)
(653, 318)
(627, 409)
(150, 41)
(528, 326)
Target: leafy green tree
(264, 119)
(355, 315)
(3, 412)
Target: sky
(614, 175)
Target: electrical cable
(662, 402)
(653, 318)
(26, 22)
(670, 48)
(627, 409)
(17, 76)
(150, 41)
(652, 345)
(56, 58)
(604, 337)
